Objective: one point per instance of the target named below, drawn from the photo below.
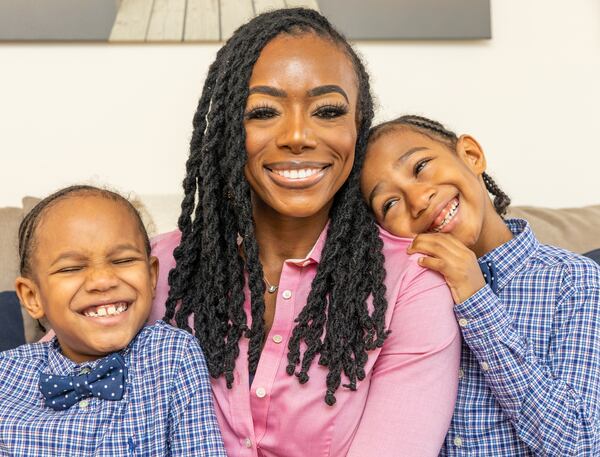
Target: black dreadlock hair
(438, 132)
(208, 279)
(29, 224)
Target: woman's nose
(296, 135)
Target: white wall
(121, 114)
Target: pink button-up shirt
(403, 406)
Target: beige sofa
(576, 229)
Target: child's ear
(471, 153)
(154, 274)
(28, 294)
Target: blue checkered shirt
(167, 408)
(530, 371)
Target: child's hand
(452, 259)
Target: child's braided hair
(438, 132)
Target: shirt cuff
(482, 315)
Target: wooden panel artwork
(202, 21)
(166, 22)
(190, 20)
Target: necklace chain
(270, 288)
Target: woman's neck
(281, 237)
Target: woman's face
(300, 123)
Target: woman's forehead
(302, 62)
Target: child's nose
(101, 278)
(419, 198)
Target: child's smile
(446, 218)
(416, 185)
(92, 279)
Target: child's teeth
(108, 310)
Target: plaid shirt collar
(511, 257)
(61, 365)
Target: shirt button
(277, 339)
(287, 294)
(85, 370)
(463, 322)
(84, 404)
(458, 442)
(485, 366)
(461, 373)
(261, 392)
(248, 443)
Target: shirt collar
(61, 365)
(313, 256)
(510, 257)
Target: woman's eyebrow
(315, 92)
(267, 90)
(327, 89)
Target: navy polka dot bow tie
(489, 274)
(106, 381)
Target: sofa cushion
(575, 229)
(594, 255)
(11, 324)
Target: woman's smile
(297, 175)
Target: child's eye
(70, 269)
(261, 112)
(420, 165)
(387, 205)
(123, 261)
(331, 111)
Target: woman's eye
(388, 205)
(261, 112)
(331, 111)
(420, 165)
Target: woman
(277, 250)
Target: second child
(529, 313)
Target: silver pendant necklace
(270, 288)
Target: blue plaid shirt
(167, 408)
(530, 371)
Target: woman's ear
(471, 153)
(28, 294)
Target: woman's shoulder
(403, 271)
(165, 242)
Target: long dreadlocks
(208, 279)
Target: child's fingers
(432, 263)
(430, 245)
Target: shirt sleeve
(415, 378)
(553, 405)
(193, 425)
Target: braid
(208, 279)
(437, 132)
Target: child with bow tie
(105, 385)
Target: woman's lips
(297, 175)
